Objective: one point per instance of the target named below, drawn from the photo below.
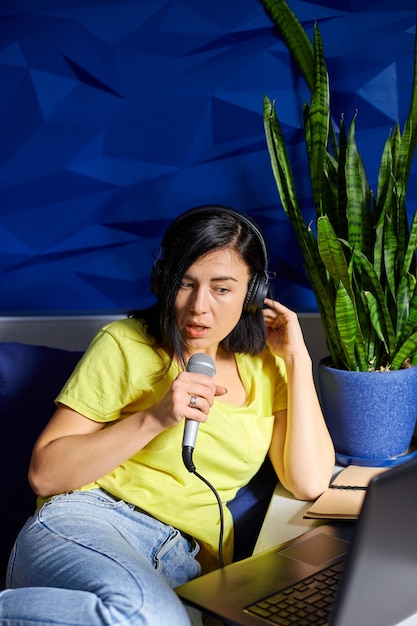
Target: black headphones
(259, 284)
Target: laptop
(372, 563)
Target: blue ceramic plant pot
(370, 415)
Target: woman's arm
(301, 449)
(73, 450)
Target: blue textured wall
(117, 115)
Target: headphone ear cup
(257, 292)
(155, 276)
(247, 305)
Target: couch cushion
(30, 379)
(249, 508)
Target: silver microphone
(199, 363)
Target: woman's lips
(196, 331)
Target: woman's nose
(199, 302)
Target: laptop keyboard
(308, 602)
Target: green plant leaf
(406, 351)
(403, 302)
(409, 258)
(283, 174)
(411, 323)
(383, 204)
(346, 325)
(318, 118)
(390, 250)
(294, 36)
(358, 196)
(400, 188)
(383, 312)
(385, 180)
(377, 317)
(332, 255)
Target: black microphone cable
(191, 468)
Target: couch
(30, 378)
(37, 354)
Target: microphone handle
(199, 363)
(190, 433)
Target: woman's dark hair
(192, 235)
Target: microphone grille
(201, 363)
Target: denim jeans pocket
(175, 558)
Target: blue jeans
(87, 559)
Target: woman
(129, 519)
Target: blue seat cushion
(249, 507)
(30, 379)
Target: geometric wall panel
(115, 116)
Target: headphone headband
(259, 284)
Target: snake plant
(360, 254)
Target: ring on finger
(193, 401)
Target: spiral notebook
(378, 581)
(344, 498)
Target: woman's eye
(186, 285)
(222, 290)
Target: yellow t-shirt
(116, 377)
